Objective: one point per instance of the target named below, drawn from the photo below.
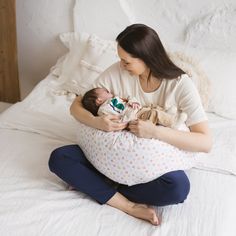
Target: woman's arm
(106, 122)
(197, 140)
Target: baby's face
(103, 94)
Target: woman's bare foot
(137, 210)
(144, 212)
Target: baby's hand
(134, 105)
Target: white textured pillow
(75, 41)
(88, 57)
(130, 160)
(220, 68)
(195, 72)
(216, 71)
(77, 44)
(215, 30)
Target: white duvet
(36, 202)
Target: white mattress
(36, 202)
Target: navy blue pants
(71, 165)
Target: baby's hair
(89, 101)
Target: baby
(99, 101)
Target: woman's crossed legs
(71, 165)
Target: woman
(145, 72)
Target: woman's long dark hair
(142, 42)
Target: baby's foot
(144, 212)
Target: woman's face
(134, 66)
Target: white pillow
(195, 72)
(130, 160)
(220, 68)
(215, 30)
(75, 41)
(88, 57)
(77, 44)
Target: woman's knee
(55, 157)
(64, 156)
(180, 186)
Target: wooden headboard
(9, 82)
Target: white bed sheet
(36, 202)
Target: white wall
(38, 24)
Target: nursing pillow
(128, 159)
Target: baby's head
(94, 98)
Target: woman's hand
(105, 123)
(197, 140)
(109, 123)
(142, 129)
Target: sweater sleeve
(189, 101)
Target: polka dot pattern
(130, 160)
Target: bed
(36, 202)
